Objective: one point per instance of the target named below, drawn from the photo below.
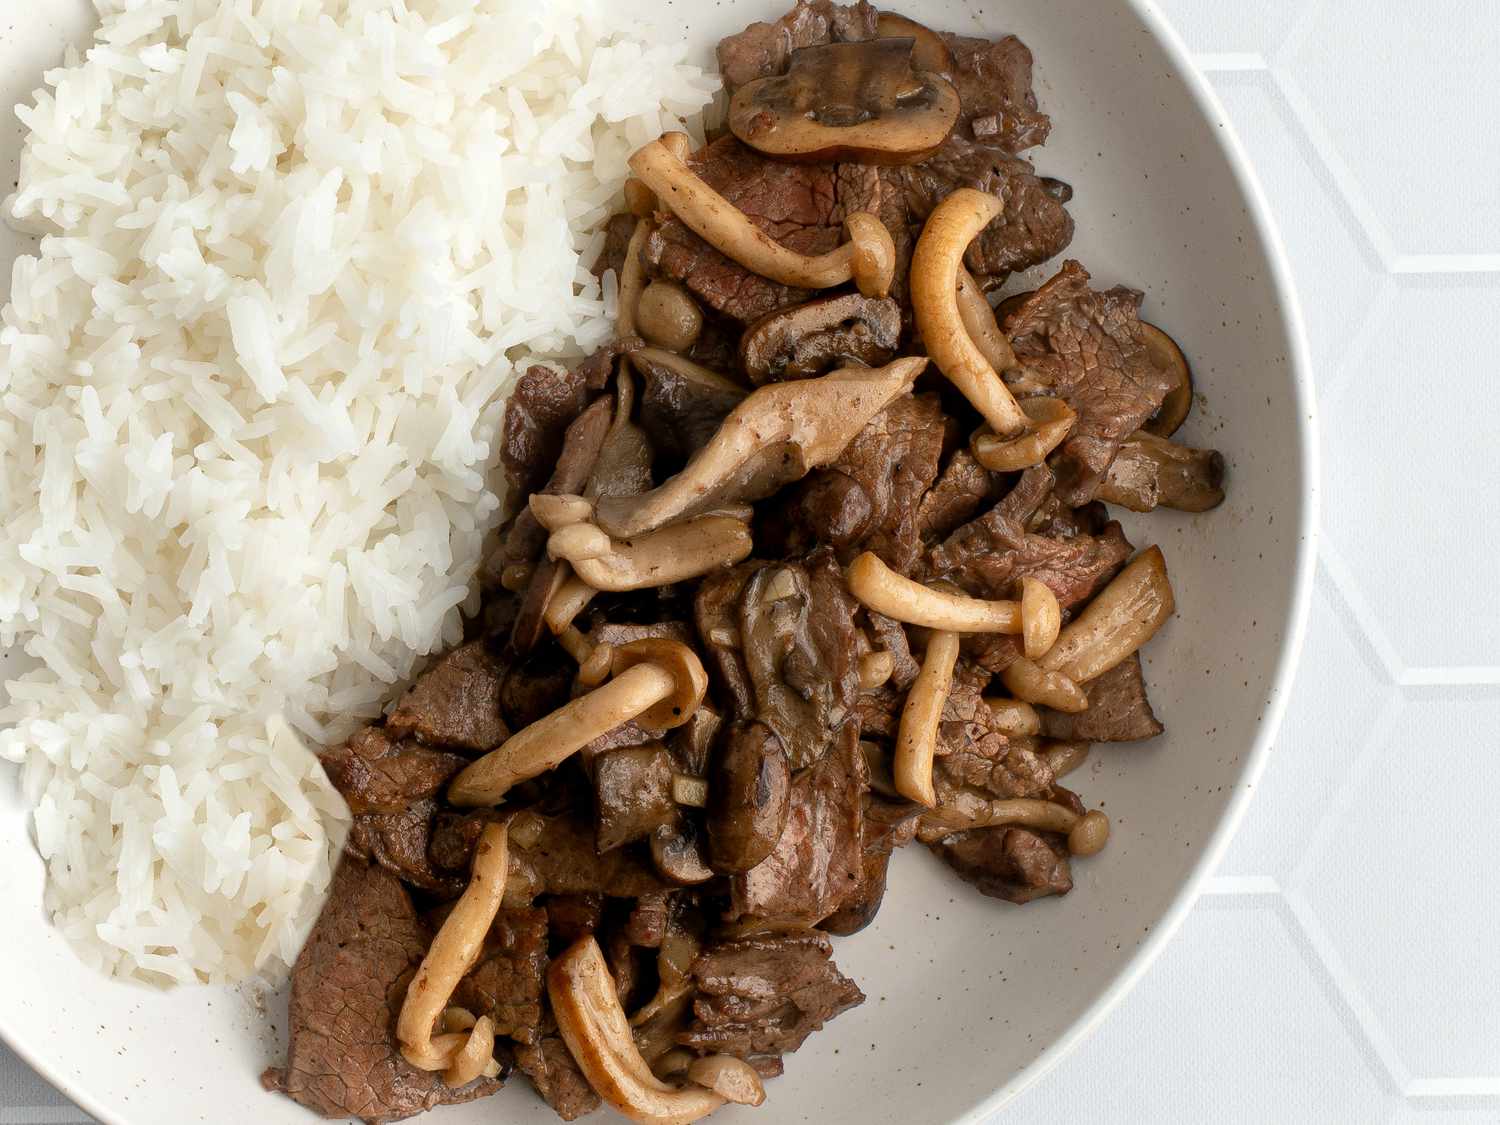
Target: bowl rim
(1294, 624)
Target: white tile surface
(1337, 973)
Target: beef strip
(376, 772)
(716, 614)
(401, 843)
(964, 487)
(973, 753)
(679, 414)
(1118, 709)
(765, 49)
(617, 234)
(456, 702)
(817, 862)
(766, 995)
(887, 825)
(550, 1066)
(1087, 347)
(1014, 864)
(536, 687)
(650, 919)
(506, 983)
(632, 794)
(889, 635)
(881, 475)
(571, 917)
(347, 987)
(563, 861)
(994, 85)
(797, 636)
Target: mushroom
(980, 323)
(1125, 615)
(1031, 683)
(1049, 419)
(571, 598)
(640, 200)
(1087, 832)
(1041, 618)
(632, 277)
(731, 1078)
(558, 510)
(878, 587)
(1174, 409)
(875, 669)
(668, 317)
(678, 855)
(869, 257)
(657, 682)
(452, 954)
(1014, 717)
(809, 339)
(1063, 758)
(659, 558)
(950, 228)
(863, 101)
(778, 434)
(750, 798)
(916, 737)
(593, 1025)
(1151, 472)
(929, 52)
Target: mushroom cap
(687, 673)
(729, 1077)
(929, 52)
(811, 338)
(1167, 356)
(861, 101)
(667, 316)
(1051, 420)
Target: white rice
(251, 382)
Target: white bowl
(969, 999)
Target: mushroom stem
(916, 738)
(981, 325)
(571, 598)
(1028, 681)
(554, 738)
(878, 587)
(1123, 617)
(950, 228)
(1065, 757)
(578, 542)
(593, 1025)
(451, 955)
(556, 510)
(869, 258)
(673, 554)
(1087, 833)
(1041, 617)
(1049, 421)
(658, 682)
(632, 281)
(875, 668)
(1014, 717)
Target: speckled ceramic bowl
(969, 999)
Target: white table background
(1335, 971)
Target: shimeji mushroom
(1014, 717)
(1041, 618)
(1151, 472)
(659, 558)
(593, 1025)
(1050, 420)
(1087, 832)
(869, 257)
(778, 434)
(657, 682)
(1125, 615)
(916, 737)
(462, 1055)
(1029, 682)
(1063, 758)
(878, 587)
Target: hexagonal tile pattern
(1197, 1029)
(1399, 81)
(1405, 898)
(1427, 515)
(1311, 760)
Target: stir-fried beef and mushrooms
(813, 562)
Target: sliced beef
(401, 843)
(797, 636)
(1118, 709)
(563, 860)
(817, 862)
(1087, 347)
(1033, 227)
(536, 686)
(541, 406)
(347, 987)
(881, 475)
(506, 983)
(764, 996)
(550, 1066)
(765, 49)
(650, 919)
(887, 825)
(1014, 864)
(633, 794)
(679, 414)
(571, 917)
(972, 753)
(377, 772)
(456, 702)
(964, 488)
(617, 234)
(889, 635)
(994, 85)
(716, 614)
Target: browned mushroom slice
(929, 52)
(1174, 409)
(779, 434)
(1151, 472)
(809, 339)
(848, 101)
(751, 792)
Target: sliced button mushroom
(950, 228)
(750, 798)
(668, 317)
(778, 434)
(677, 852)
(1125, 615)
(593, 1025)
(1151, 472)
(928, 52)
(876, 586)
(869, 257)
(658, 683)
(809, 339)
(1167, 356)
(659, 558)
(862, 101)
(916, 737)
